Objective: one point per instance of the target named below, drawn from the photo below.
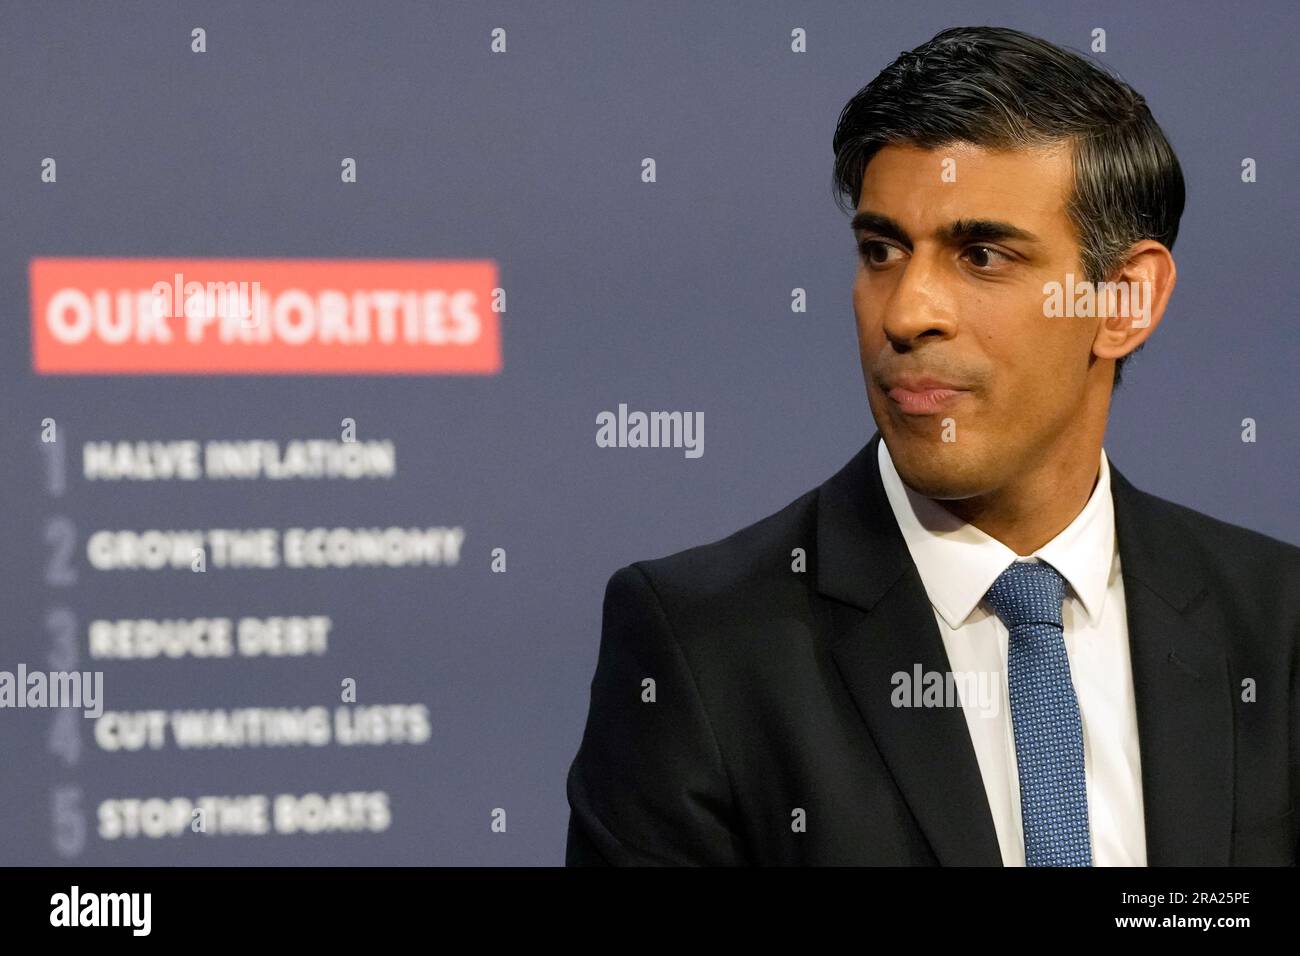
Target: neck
(1038, 506)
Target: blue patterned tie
(1045, 714)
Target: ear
(1135, 300)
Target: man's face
(950, 288)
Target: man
(977, 643)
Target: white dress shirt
(958, 563)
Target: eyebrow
(957, 232)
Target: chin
(947, 471)
(940, 487)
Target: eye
(877, 253)
(986, 257)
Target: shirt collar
(958, 562)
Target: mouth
(923, 397)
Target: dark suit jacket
(772, 694)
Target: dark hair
(1000, 88)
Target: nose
(920, 305)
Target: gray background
(666, 296)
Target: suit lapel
(887, 626)
(1181, 683)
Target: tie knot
(1028, 592)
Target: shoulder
(746, 577)
(1232, 544)
(1260, 571)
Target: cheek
(859, 293)
(1006, 342)
(867, 313)
(1034, 357)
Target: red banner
(264, 316)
